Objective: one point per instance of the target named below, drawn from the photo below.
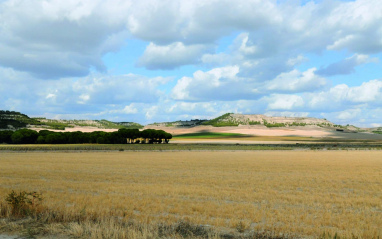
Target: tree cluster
(122, 136)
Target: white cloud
(296, 60)
(151, 112)
(342, 95)
(171, 56)
(296, 81)
(130, 109)
(358, 116)
(216, 84)
(349, 114)
(83, 98)
(284, 102)
(93, 94)
(368, 92)
(50, 96)
(225, 84)
(53, 39)
(119, 89)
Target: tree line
(122, 136)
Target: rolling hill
(16, 120)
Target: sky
(153, 61)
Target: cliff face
(231, 119)
(263, 119)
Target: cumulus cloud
(130, 109)
(342, 95)
(284, 102)
(226, 84)
(52, 39)
(171, 56)
(346, 66)
(118, 89)
(359, 116)
(296, 81)
(92, 94)
(368, 92)
(216, 84)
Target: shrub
(23, 203)
(186, 229)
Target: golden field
(290, 193)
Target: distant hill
(16, 120)
(231, 119)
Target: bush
(23, 203)
(221, 121)
(185, 229)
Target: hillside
(16, 120)
(231, 119)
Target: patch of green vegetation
(271, 125)
(297, 124)
(254, 122)
(204, 135)
(18, 120)
(15, 119)
(377, 132)
(221, 121)
(323, 124)
(109, 125)
(339, 126)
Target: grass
(287, 145)
(221, 121)
(137, 147)
(285, 193)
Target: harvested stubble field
(290, 193)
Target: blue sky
(147, 61)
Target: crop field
(210, 135)
(142, 147)
(304, 194)
(242, 137)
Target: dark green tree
(24, 136)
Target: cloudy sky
(165, 60)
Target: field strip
(289, 192)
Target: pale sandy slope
(250, 130)
(299, 131)
(257, 130)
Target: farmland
(283, 193)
